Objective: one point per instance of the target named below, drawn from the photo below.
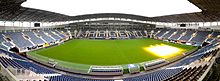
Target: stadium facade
(24, 30)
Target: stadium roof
(210, 12)
(189, 17)
(11, 10)
(11, 2)
(29, 14)
(109, 15)
(207, 5)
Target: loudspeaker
(36, 24)
(182, 25)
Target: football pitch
(107, 52)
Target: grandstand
(109, 46)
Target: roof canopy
(11, 10)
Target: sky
(148, 8)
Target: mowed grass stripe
(105, 52)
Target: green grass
(103, 52)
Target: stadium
(40, 45)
